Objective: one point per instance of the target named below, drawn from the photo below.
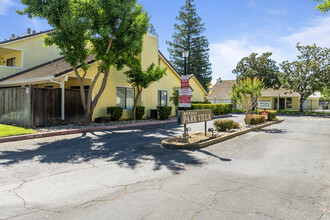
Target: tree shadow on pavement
(125, 147)
(213, 155)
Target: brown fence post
(31, 106)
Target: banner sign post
(184, 82)
(184, 98)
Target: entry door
(282, 103)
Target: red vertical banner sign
(184, 82)
(185, 93)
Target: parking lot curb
(209, 142)
(76, 131)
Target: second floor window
(125, 98)
(11, 62)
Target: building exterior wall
(197, 94)
(295, 103)
(33, 53)
(149, 96)
(313, 103)
(218, 101)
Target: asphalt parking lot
(279, 172)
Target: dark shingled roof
(53, 68)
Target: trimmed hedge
(193, 102)
(271, 114)
(217, 109)
(115, 112)
(163, 112)
(140, 110)
(256, 119)
(225, 124)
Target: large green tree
(188, 35)
(309, 73)
(324, 6)
(141, 79)
(109, 30)
(262, 67)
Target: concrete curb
(206, 143)
(76, 131)
(83, 130)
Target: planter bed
(199, 140)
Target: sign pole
(205, 128)
(185, 109)
(186, 94)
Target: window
(162, 98)
(288, 102)
(11, 62)
(125, 98)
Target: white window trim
(166, 96)
(127, 87)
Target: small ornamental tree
(141, 79)
(245, 92)
(308, 74)
(175, 96)
(110, 32)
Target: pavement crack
(248, 212)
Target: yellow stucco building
(270, 98)
(43, 67)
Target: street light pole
(185, 54)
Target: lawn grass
(8, 130)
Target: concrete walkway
(280, 172)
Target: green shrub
(271, 114)
(225, 124)
(255, 119)
(235, 125)
(115, 112)
(140, 110)
(217, 109)
(193, 102)
(163, 112)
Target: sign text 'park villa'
(194, 116)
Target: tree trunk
(247, 116)
(97, 97)
(138, 92)
(301, 106)
(254, 103)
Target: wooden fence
(30, 107)
(15, 106)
